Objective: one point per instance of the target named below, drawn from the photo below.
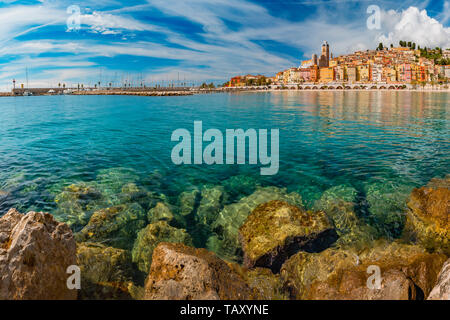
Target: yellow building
(352, 74)
(333, 63)
(364, 73)
(326, 74)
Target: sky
(153, 41)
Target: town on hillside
(406, 64)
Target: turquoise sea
(372, 146)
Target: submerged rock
(179, 272)
(111, 180)
(240, 186)
(131, 193)
(106, 272)
(76, 203)
(387, 206)
(407, 272)
(442, 289)
(161, 212)
(35, 252)
(339, 204)
(115, 226)
(149, 237)
(276, 230)
(212, 201)
(226, 242)
(188, 201)
(428, 216)
(3, 195)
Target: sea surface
(379, 144)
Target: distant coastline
(185, 92)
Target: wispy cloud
(201, 39)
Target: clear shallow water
(380, 143)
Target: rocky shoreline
(265, 245)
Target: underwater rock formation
(339, 204)
(407, 272)
(428, 214)
(442, 289)
(115, 226)
(187, 201)
(387, 206)
(179, 272)
(76, 203)
(240, 186)
(226, 243)
(149, 237)
(131, 193)
(275, 230)
(212, 201)
(105, 272)
(35, 252)
(111, 180)
(161, 212)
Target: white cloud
(415, 25)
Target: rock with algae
(428, 214)
(225, 242)
(131, 193)
(276, 230)
(179, 272)
(339, 204)
(187, 201)
(387, 207)
(115, 226)
(111, 180)
(149, 237)
(240, 185)
(212, 201)
(106, 272)
(407, 272)
(161, 212)
(76, 203)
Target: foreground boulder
(264, 284)
(179, 272)
(149, 237)
(35, 252)
(407, 273)
(428, 215)
(276, 230)
(442, 289)
(105, 272)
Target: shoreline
(195, 92)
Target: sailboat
(27, 92)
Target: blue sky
(196, 40)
